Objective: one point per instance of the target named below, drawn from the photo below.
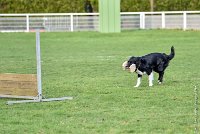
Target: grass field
(87, 66)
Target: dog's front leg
(151, 79)
(138, 80)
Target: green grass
(87, 66)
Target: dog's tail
(172, 54)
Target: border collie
(157, 62)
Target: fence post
(142, 20)
(163, 20)
(184, 21)
(71, 23)
(27, 23)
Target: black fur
(157, 62)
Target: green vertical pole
(109, 16)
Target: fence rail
(90, 21)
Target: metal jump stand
(39, 80)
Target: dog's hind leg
(138, 80)
(160, 78)
(151, 79)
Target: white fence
(90, 21)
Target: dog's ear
(142, 60)
(137, 61)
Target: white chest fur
(140, 72)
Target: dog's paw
(150, 85)
(136, 86)
(159, 82)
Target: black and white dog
(157, 62)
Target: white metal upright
(38, 56)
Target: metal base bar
(18, 97)
(42, 100)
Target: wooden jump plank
(18, 85)
(18, 77)
(18, 92)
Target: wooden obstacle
(18, 86)
(27, 86)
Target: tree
(66, 6)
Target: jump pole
(39, 79)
